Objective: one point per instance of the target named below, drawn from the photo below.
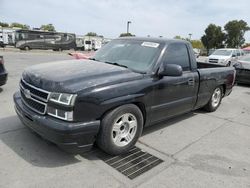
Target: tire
(26, 48)
(215, 100)
(228, 64)
(120, 129)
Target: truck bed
(203, 65)
(212, 75)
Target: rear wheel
(215, 100)
(120, 129)
(26, 48)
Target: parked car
(79, 55)
(128, 84)
(3, 72)
(243, 70)
(196, 52)
(225, 56)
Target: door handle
(191, 82)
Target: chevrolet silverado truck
(129, 84)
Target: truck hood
(72, 76)
(219, 57)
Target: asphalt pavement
(198, 149)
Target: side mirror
(170, 70)
(233, 55)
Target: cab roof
(154, 39)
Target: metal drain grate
(133, 163)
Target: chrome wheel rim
(124, 129)
(216, 97)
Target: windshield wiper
(117, 64)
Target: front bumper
(73, 137)
(3, 78)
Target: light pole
(129, 22)
(190, 36)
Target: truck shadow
(39, 152)
(243, 85)
(97, 154)
(30, 147)
(167, 123)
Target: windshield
(133, 54)
(222, 52)
(245, 58)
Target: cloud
(108, 17)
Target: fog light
(60, 114)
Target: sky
(166, 18)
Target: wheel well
(224, 89)
(140, 105)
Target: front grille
(34, 105)
(37, 92)
(34, 98)
(213, 60)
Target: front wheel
(228, 64)
(215, 100)
(120, 129)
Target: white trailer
(93, 42)
(7, 36)
(88, 42)
(80, 42)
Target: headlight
(60, 114)
(222, 60)
(63, 98)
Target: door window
(178, 54)
(238, 52)
(234, 53)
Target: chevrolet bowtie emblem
(27, 93)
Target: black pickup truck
(129, 84)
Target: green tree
(2, 24)
(126, 35)
(213, 38)
(19, 25)
(197, 44)
(48, 27)
(177, 37)
(181, 38)
(91, 34)
(235, 31)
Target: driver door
(175, 95)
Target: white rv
(88, 42)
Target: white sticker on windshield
(150, 44)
